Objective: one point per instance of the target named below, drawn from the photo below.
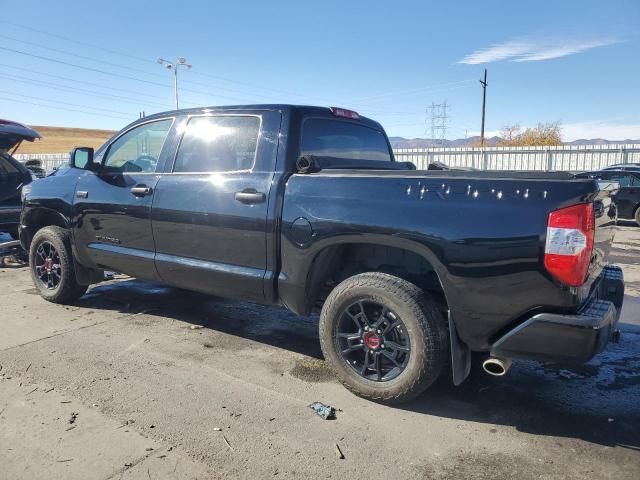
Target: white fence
(49, 160)
(564, 157)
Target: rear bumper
(573, 338)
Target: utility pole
(484, 104)
(181, 62)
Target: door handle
(141, 190)
(250, 196)
(82, 194)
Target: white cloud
(532, 49)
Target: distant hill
(63, 139)
(401, 142)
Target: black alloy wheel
(47, 265)
(373, 341)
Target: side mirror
(82, 157)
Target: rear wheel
(637, 216)
(383, 336)
(51, 266)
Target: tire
(424, 331)
(66, 288)
(636, 216)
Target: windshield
(326, 137)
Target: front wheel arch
(35, 219)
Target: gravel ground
(137, 380)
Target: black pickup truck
(306, 208)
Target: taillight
(567, 253)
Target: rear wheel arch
(336, 261)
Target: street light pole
(181, 62)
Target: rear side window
(218, 144)
(334, 138)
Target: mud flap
(460, 354)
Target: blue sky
(576, 62)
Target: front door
(210, 209)
(112, 207)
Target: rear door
(112, 208)
(210, 209)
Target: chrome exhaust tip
(498, 367)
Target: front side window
(218, 144)
(139, 149)
(326, 137)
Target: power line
(82, 91)
(22, 102)
(203, 74)
(62, 37)
(111, 74)
(84, 57)
(114, 52)
(126, 67)
(75, 80)
(460, 83)
(61, 103)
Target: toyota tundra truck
(306, 208)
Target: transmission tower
(439, 122)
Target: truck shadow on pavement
(598, 402)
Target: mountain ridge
(402, 142)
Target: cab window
(139, 149)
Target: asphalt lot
(125, 384)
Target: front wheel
(383, 336)
(51, 266)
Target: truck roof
(282, 107)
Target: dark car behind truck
(306, 208)
(627, 197)
(13, 175)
